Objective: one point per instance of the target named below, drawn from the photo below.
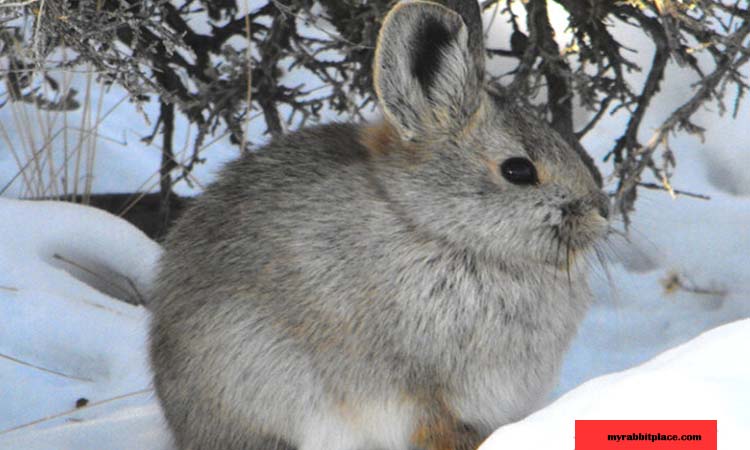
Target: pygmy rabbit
(408, 284)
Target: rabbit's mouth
(576, 235)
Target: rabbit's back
(234, 284)
(258, 202)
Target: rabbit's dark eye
(519, 171)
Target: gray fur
(444, 106)
(322, 295)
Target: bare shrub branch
(221, 65)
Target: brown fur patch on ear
(383, 139)
(380, 139)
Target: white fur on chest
(387, 423)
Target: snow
(643, 352)
(705, 379)
(706, 243)
(62, 339)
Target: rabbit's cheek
(493, 171)
(542, 173)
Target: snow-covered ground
(63, 341)
(705, 379)
(73, 365)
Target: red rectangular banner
(645, 434)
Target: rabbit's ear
(429, 68)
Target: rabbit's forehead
(513, 131)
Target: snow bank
(73, 366)
(93, 246)
(706, 378)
